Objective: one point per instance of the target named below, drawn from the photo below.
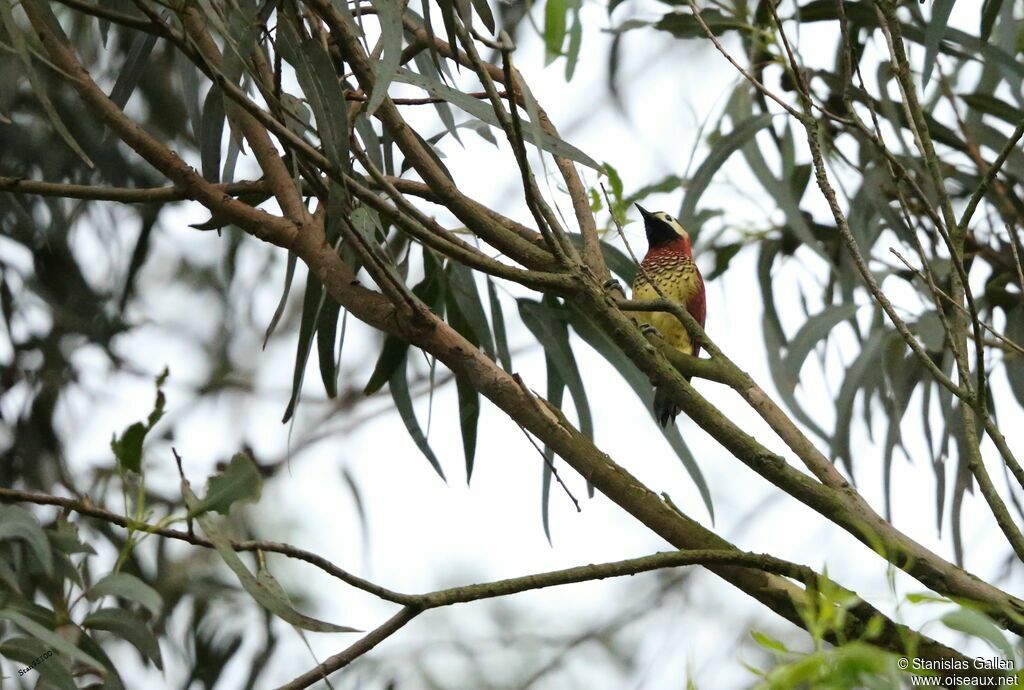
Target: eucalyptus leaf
(261, 589)
(240, 481)
(127, 586)
(127, 626)
(483, 111)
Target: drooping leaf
(49, 666)
(775, 338)
(127, 448)
(399, 387)
(14, 32)
(212, 133)
(431, 290)
(483, 10)
(326, 337)
(240, 481)
(468, 396)
(134, 66)
(933, 34)
(319, 81)
(289, 274)
(469, 416)
(555, 394)
(18, 523)
(812, 332)
(636, 379)
(989, 14)
(390, 15)
(127, 586)
(684, 25)
(1014, 362)
(549, 328)
(866, 362)
(555, 22)
(50, 638)
(463, 291)
(128, 627)
(268, 597)
(312, 305)
(482, 111)
(572, 53)
(500, 334)
(979, 625)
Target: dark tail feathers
(665, 409)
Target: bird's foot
(612, 286)
(648, 329)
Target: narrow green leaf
(854, 380)
(127, 626)
(212, 133)
(18, 523)
(49, 637)
(289, 274)
(389, 13)
(483, 10)
(1014, 363)
(392, 355)
(572, 53)
(134, 66)
(768, 642)
(463, 289)
(16, 36)
(240, 481)
(989, 13)
(742, 133)
(555, 21)
(640, 384)
(448, 19)
(319, 81)
(684, 25)
(988, 104)
(483, 111)
(326, 336)
(979, 625)
(933, 34)
(812, 332)
(312, 303)
(555, 394)
(775, 338)
(469, 398)
(129, 587)
(399, 387)
(500, 334)
(49, 666)
(260, 589)
(469, 416)
(549, 328)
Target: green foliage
(239, 482)
(128, 446)
(855, 664)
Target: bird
(669, 263)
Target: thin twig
(998, 336)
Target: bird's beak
(644, 212)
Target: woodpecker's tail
(665, 408)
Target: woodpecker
(669, 263)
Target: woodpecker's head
(662, 229)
